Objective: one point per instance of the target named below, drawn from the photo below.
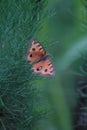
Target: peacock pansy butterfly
(40, 61)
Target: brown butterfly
(37, 56)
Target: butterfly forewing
(35, 52)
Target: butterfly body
(37, 56)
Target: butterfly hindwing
(35, 51)
(44, 67)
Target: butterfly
(41, 63)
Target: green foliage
(67, 28)
(29, 102)
(18, 94)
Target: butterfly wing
(44, 67)
(35, 51)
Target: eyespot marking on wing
(31, 55)
(33, 49)
(39, 68)
(45, 70)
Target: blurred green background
(33, 102)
